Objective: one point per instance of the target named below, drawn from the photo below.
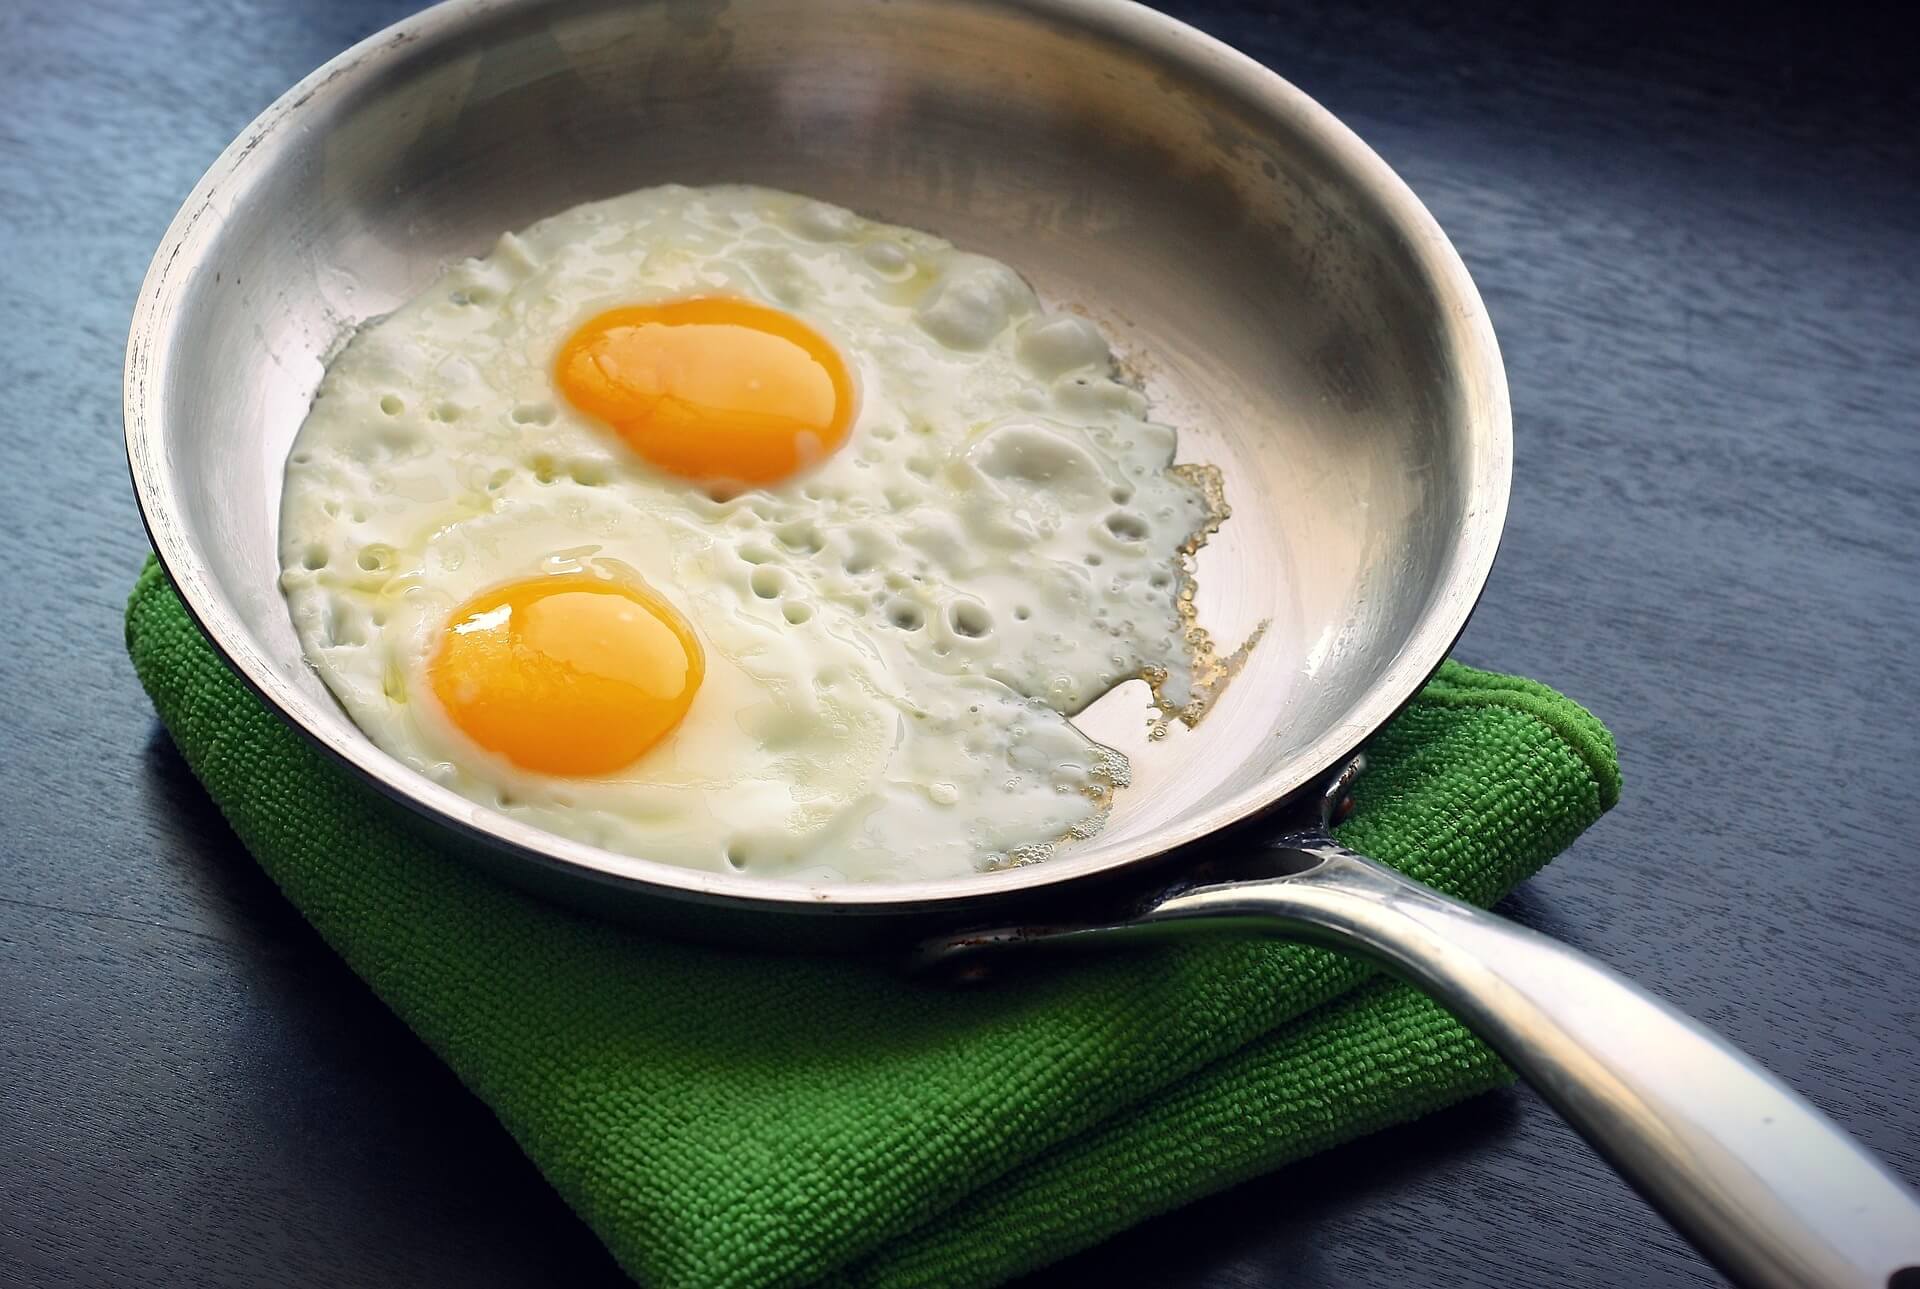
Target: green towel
(722, 1118)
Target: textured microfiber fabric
(723, 1118)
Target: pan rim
(1121, 20)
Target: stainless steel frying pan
(1287, 303)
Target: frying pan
(1282, 298)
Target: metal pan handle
(1763, 1184)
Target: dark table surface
(1698, 232)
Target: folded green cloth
(723, 1118)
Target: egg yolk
(567, 674)
(711, 388)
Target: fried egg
(730, 529)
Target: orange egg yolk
(567, 674)
(711, 388)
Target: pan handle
(1763, 1184)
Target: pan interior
(1282, 299)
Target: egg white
(895, 638)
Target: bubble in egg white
(1055, 343)
(896, 639)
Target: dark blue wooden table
(1698, 230)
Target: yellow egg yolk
(711, 388)
(567, 674)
